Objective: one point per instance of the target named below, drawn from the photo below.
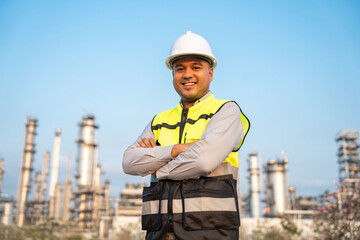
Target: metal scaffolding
(43, 203)
(35, 205)
(348, 143)
(130, 200)
(67, 194)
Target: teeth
(189, 84)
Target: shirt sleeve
(222, 135)
(143, 161)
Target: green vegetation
(287, 231)
(48, 230)
(132, 231)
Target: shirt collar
(199, 100)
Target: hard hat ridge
(191, 44)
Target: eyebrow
(194, 62)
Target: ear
(172, 73)
(211, 73)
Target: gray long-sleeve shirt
(223, 133)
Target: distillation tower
(44, 175)
(67, 194)
(1, 173)
(89, 196)
(36, 208)
(276, 187)
(26, 169)
(5, 203)
(348, 143)
(34, 205)
(255, 187)
(53, 189)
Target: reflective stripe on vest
(198, 204)
(188, 205)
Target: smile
(189, 84)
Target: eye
(179, 69)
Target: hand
(180, 148)
(144, 142)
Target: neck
(187, 104)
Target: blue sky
(292, 66)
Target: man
(191, 152)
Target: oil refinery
(85, 206)
(81, 205)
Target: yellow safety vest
(179, 125)
(204, 208)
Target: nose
(188, 73)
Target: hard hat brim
(171, 59)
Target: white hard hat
(191, 44)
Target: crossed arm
(191, 160)
(144, 142)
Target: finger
(146, 142)
(141, 143)
(152, 142)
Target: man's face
(191, 78)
